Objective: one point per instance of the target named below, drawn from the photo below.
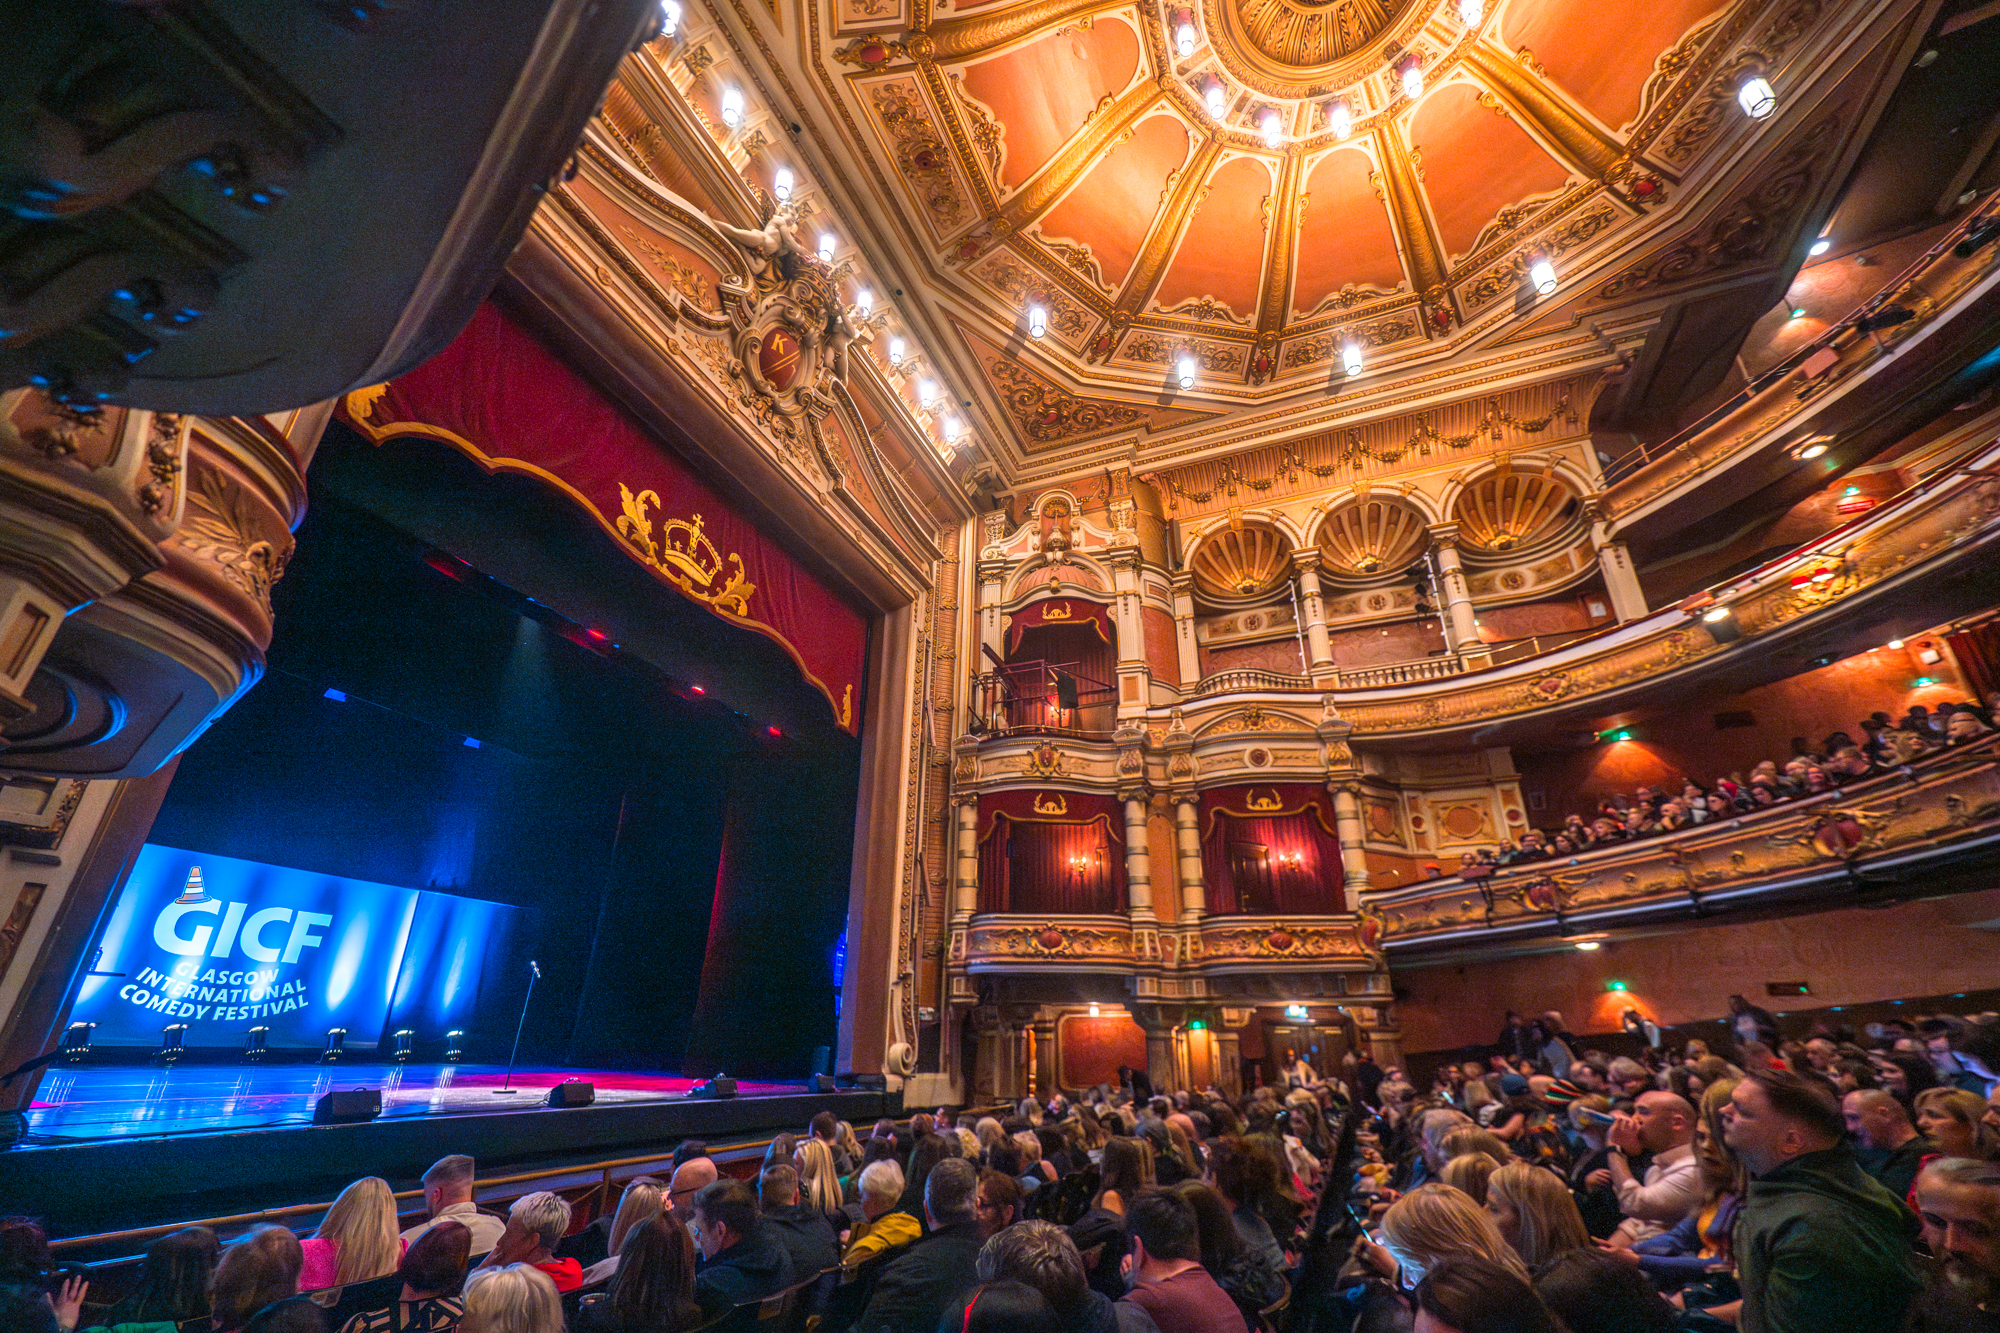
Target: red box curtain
(1060, 611)
(501, 397)
(1054, 853)
(1271, 850)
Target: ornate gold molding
(1423, 254)
(1187, 190)
(1078, 156)
(1547, 114)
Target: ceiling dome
(1241, 561)
(1507, 510)
(1309, 33)
(1371, 535)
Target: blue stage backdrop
(225, 945)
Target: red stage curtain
(1251, 836)
(501, 397)
(1028, 840)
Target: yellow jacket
(885, 1233)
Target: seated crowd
(1887, 743)
(1830, 1184)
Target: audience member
(511, 1298)
(1246, 1177)
(535, 1224)
(689, 1179)
(1168, 1281)
(643, 1199)
(883, 1226)
(999, 1202)
(1534, 1213)
(1958, 1202)
(1252, 1280)
(799, 1227)
(432, 1272)
(1429, 1224)
(819, 1180)
(1468, 1294)
(297, 1314)
(1593, 1292)
(740, 1262)
(1042, 1255)
(654, 1289)
(1662, 1125)
(1887, 1144)
(1470, 1172)
(1003, 1307)
(1590, 1170)
(1819, 1244)
(448, 1194)
(356, 1240)
(918, 1284)
(260, 1267)
(173, 1284)
(1954, 1122)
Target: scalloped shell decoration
(1504, 511)
(1241, 561)
(1373, 535)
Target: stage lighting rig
(173, 1039)
(256, 1045)
(336, 1046)
(75, 1043)
(405, 1040)
(454, 1046)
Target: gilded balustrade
(1211, 947)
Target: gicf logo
(235, 926)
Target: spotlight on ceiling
(670, 18)
(1470, 12)
(1756, 97)
(732, 107)
(1038, 321)
(1350, 358)
(952, 426)
(1542, 274)
(1185, 369)
(1216, 97)
(1798, 312)
(1271, 126)
(1340, 118)
(1412, 72)
(1185, 36)
(826, 244)
(926, 393)
(897, 347)
(1589, 946)
(1820, 247)
(864, 301)
(1811, 449)
(1893, 644)
(1720, 622)
(781, 184)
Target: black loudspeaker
(720, 1086)
(820, 1083)
(1065, 691)
(355, 1107)
(572, 1092)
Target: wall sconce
(1756, 97)
(1470, 12)
(732, 107)
(1186, 38)
(1272, 126)
(1038, 321)
(1340, 118)
(826, 244)
(781, 184)
(1350, 358)
(896, 348)
(670, 18)
(1542, 274)
(1185, 369)
(1215, 97)
(1411, 71)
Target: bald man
(1662, 1124)
(1886, 1143)
(688, 1179)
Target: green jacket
(1822, 1248)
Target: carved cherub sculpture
(774, 246)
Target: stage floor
(129, 1102)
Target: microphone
(536, 968)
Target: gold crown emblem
(684, 554)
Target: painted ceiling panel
(1043, 92)
(1222, 249)
(1460, 141)
(1111, 209)
(1599, 58)
(1344, 235)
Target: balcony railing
(1400, 673)
(1045, 698)
(1218, 945)
(1248, 678)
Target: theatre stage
(117, 1146)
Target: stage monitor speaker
(357, 1106)
(720, 1086)
(572, 1092)
(821, 1083)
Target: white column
(1458, 613)
(1138, 861)
(1319, 648)
(1184, 642)
(1353, 834)
(1187, 839)
(965, 892)
(1133, 677)
(1621, 580)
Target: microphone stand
(535, 974)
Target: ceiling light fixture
(1038, 321)
(1716, 615)
(1542, 274)
(1589, 946)
(670, 18)
(864, 301)
(1798, 312)
(1186, 369)
(732, 107)
(1271, 126)
(1350, 357)
(896, 349)
(1340, 118)
(1820, 247)
(1185, 36)
(1894, 644)
(926, 393)
(1812, 451)
(1756, 97)
(826, 243)
(1412, 72)
(1215, 97)
(1470, 12)
(781, 184)
(952, 426)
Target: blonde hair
(1966, 1108)
(821, 1178)
(1030, 1146)
(1720, 1171)
(1434, 1222)
(1546, 1220)
(1469, 1138)
(989, 1132)
(638, 1205)
(968, 1143)
(518, 1298)
(362, 1226)
(1470, 1172)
